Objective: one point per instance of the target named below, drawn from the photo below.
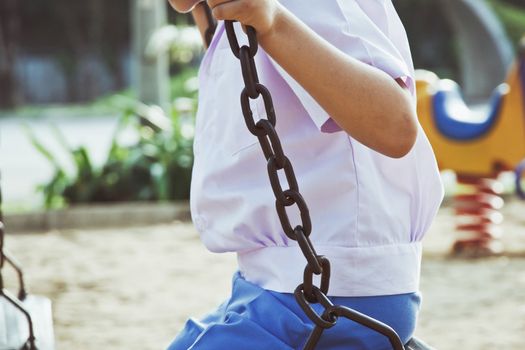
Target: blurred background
(97, 105)
(77, 68)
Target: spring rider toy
(477, 145)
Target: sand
(134, 288)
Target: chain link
(306, 294)
(309, 272)
(2, 237)
(16, 302)
(275, 182)
(248, 114)
(249, 72)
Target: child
(341, 78)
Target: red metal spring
(478, 214)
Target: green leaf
(43, 150)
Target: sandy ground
(134, 288)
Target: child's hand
(260, 14)
(184, 5)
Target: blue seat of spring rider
(455, 120)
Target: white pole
(150, 74)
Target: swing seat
(416, 344)
(14, 327)
(455, 120)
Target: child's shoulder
(362, 18)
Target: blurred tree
(434, 45)
(512, 14)
(72, 34)
(67, 31)
(431, 37)
(9, 30)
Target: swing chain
(306, 294)
(2, 238)
(264, 129)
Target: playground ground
(133, 288)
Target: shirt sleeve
(367, 30)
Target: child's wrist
(279, 17)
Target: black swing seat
(416, 344)
(14, 326)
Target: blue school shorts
(258, 319)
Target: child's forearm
(364, 101)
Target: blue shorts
(258, 319)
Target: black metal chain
(30, 344)
(2, 235)
(306, 293)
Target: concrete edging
(98, 216)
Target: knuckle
(218, 13)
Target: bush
(156, 167)
(512, 16)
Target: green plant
(157, 166)
(512, 16)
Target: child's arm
(364, 101)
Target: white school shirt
(369, 212)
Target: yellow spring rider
(477, 145)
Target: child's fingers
(259, 14)
(229, 9)
(213, 3)
(225, 9)
(184, 6)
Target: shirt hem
(355, 271)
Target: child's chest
(220, 126)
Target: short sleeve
(369, 32)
